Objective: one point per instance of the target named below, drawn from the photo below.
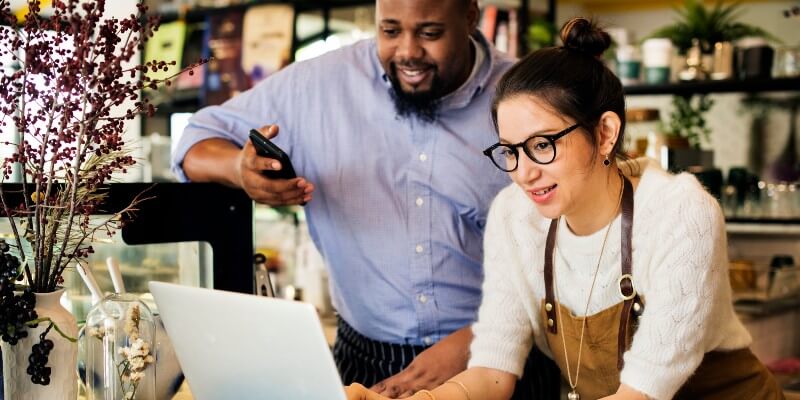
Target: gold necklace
(573, 394)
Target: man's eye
(431, 34)
(390, 32)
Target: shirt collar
(480, 55)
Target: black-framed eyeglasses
(539, 148)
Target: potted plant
(708, 25)
(70, 86)
(541, 33)
(686, 130)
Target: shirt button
(422, 298)
(419, 202)
(423, 157)
(427, 340)
(419, 248)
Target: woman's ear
(608, 131)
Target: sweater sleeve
(503, 334)
(688, 278)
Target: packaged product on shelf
(224, 75)
(657, 58)
(267, 40)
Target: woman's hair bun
(582, 35)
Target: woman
(641, 252)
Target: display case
(192, 233)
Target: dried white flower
(136, 357)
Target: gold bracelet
(462, 386)
(428, 394)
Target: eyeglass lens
(540, 149)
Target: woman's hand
(626, 393)
(357, 391)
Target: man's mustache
(412, 65)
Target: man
(386, 137)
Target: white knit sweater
(680, 267)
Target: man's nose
(410, 48)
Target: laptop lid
(239, 346)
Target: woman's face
(557, 188)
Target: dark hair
(572, 79)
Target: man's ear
(473, 15)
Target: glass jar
(642, 132)
(787, 62)
(119, 339)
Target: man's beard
(424, 105)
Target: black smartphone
(265, 148)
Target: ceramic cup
(656, 58)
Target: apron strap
(626, 289)
(550, 304)
(631, 301)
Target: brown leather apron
(729, 375)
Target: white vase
(61, 360)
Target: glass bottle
(120, 354)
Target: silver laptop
(239, 346)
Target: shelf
(507, 4)
(187, 100)
(198, 14)
(726, 86)
(764, 308)
(763, 226)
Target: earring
(606, 162)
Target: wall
(133, 131)
(132, 134)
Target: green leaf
(688, 121)
(709, 25)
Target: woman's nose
(527, 170)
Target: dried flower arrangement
(68, 96)
(136, 356)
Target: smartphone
(265, 148)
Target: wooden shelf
(764, 308)
(502, 3)
(186, 100)
(763, 226)
(198, 14)
(724, 86)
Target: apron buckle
(622, 287)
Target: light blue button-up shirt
(400, 205)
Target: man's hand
(274, 192)
(430, 368)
